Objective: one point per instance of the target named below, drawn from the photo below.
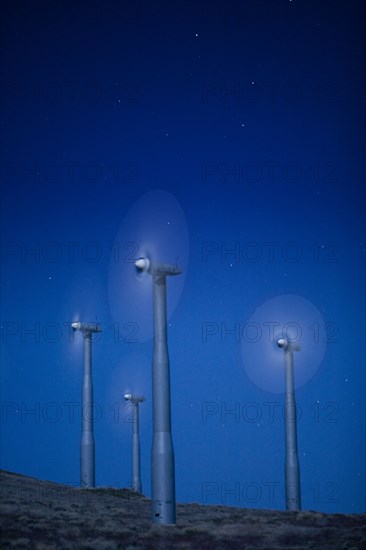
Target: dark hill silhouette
(43, 515)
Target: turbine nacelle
(86, 328)
(287, 345)
(155, 268)
(134, 398)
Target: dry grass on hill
(44, 515)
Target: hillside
(44, 515)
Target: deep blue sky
(103, 102)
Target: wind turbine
(292, 469)
(87, 450)
(162, 454)
(136, 474)
(280, 323)
(155, 227)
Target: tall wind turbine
(154, 228)
(292, 469)
(162, 454)
(87, 450)
(136, 474)
(282, 323)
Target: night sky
(229, 136)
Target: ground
(43, 515)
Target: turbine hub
(282, 343)
(143, 264)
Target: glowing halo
(293, 318)
(155, 227)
